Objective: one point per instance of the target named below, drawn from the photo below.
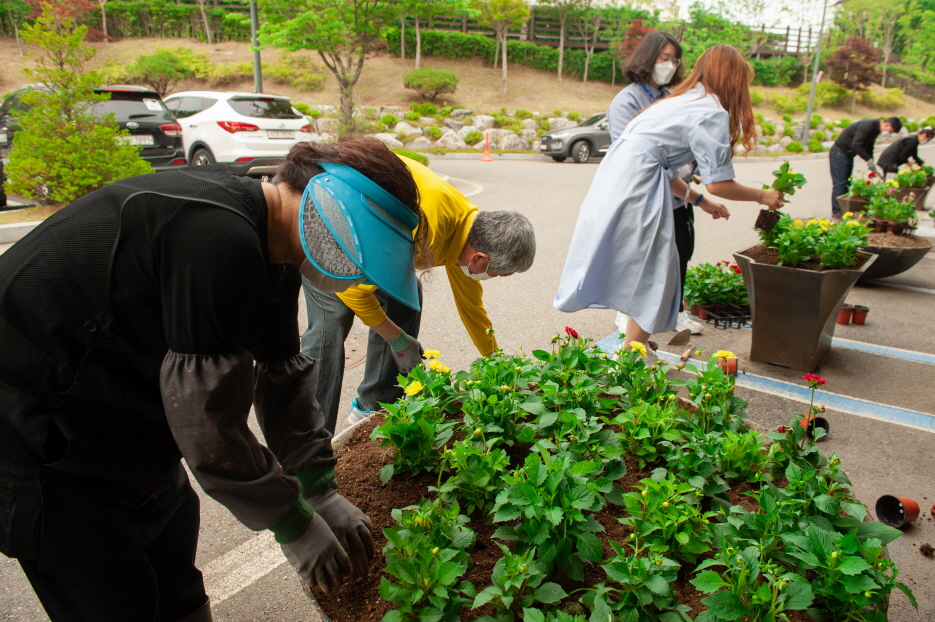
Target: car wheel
(581, 151)
(559, 158)
(202, 157)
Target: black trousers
(159, 584)
(684, 238)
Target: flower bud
(665, 504)
(834, 555)
(478, 432)
(435, 551)
(868, 594)
(658, 562)
(643, 493)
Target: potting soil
(900, 241)
(768, 256)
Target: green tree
(163, 69)
(876, 21)
(64, 151)
(502, 15)
(706, 28)
(587, 21)
(14, 13)
(343, 32)
(563, 10)
(424, 9)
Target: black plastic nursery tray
(731, 317)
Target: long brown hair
(371, 158)
(724, 72)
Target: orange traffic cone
(486, 157)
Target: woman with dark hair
(139, 326)
(622, 254)
(656, 63)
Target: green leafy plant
(648, 430)
(430, 83)
(747, 589)
(795, 147)
(389, 120)
(712, 389)
(555, 498)
(163, 69)
(297, 69)
(417, 430)
(839, 245)
(517, 586)
(742, 456)
(473, 137)
(425, 109)
(715, 284)
(864, 188)
(665, 514)
(911, 177)
(640, 587)
(433, 132)
(426, 552)
(477, 468)
(787, 181)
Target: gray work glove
(350, 526)
(318, 557)
(407, 351)
(872, 165)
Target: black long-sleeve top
(858, 138)
(900, 152)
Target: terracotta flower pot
(795, 336)
(896, 511)
(728, 365)
(860, 315)
(932, 510)
(694, 310)
(703, 311)
(844, 315)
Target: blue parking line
(871, 348)
(800, 393)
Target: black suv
(137, 109)
(592, 137)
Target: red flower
(868, 183)
(872, 174)
(781, 429)
(814, 380)
(571, 331)
(735, 268)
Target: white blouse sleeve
(709, 142)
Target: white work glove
(350, 526)
(318, 557)
(407, 351)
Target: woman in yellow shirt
(472, 246)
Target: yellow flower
(603, 356)
(639, 348)
(504, 387)
(848, 215)
(797, 223)
(413, 388)
(724, 354)
(436, 365)
(854, 223)
(812, 221)
(432, 354)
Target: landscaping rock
(427, 120)
(535, 144)
(530, 124)
(464, 131)
(454, 124)
(512, 142)
(497, 134)
(559, 123)
(328, 125)
(482, 122)
(450, 140)
(460, 113)
(323, 108)
(529, 135)
(827, 144)
(774, 148)
(420, 144)
(405, 129)
(784, 141)
(389, 140)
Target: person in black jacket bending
(899, 152)
(857, 139)
(138, 326)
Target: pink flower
(781, 429)
(571, 331)
(814, 380)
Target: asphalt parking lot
(879, 375)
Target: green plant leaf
(852, 566)
(725, 605)
(589, 547)
(549, 593)
(709, 581)
(657, 584)
(798, 595)
(386, 473)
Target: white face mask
(480, 276)
(663, 72)
(324, 282)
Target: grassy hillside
(381, 81)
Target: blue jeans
(329, 322)
(842, 166)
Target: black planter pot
(892, 260)
(794, 311)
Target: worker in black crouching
(903, 150)
(857, 139)
(138, 326)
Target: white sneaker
(685, 321)
(621, 322)
(356, 415)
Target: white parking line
(230, 573)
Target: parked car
(592, 137)
(136, 109)
(249, 132)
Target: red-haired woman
(623, 254)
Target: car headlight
(556, 142)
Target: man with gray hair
(473, 246)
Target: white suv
(249, 132)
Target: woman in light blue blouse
(622, 254)
(656, 64)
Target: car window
(593, 120)
(207, 102)
(263, 108)
(187, 106)
(129, 106)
